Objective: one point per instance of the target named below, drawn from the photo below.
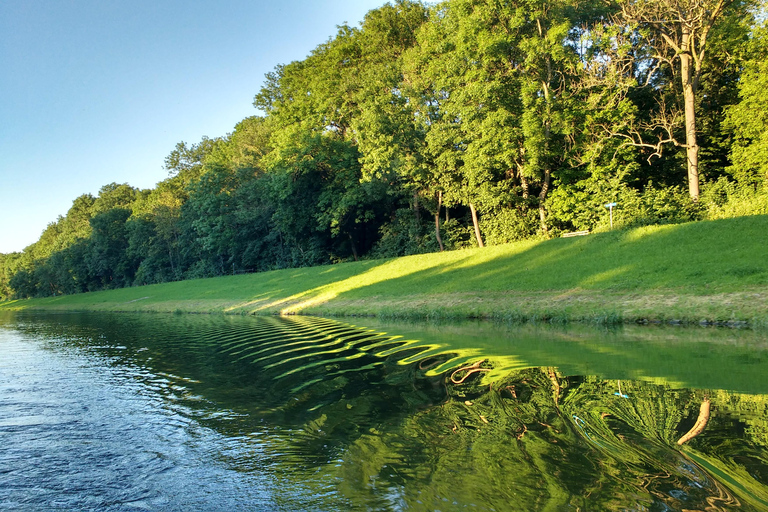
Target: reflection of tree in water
(390, 433)
(537, 440)
(369, 421)
(633, 433)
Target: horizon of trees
(426, 128)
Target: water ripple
(142, 412)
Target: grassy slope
(716, 270)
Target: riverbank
(713, 272)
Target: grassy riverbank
(715, 271)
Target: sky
(100, 91)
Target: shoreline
(701, 273)
(747, 309)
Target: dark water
(154, 412)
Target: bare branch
(672, 32)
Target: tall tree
(494, 77)
(387, 131)
(677, 33)
(748, 119)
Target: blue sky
(100, 91)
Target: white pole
(610, 211)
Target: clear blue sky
(100, 91)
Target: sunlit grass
(714, 270)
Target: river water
(200, 412)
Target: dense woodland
(435, 127)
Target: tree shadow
(688, 255)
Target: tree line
(436, 127)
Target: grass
(714, 271)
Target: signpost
(610, 210)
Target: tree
(494, 78)
(389, 133)
(186, 161)
(748, 119)
(107, 255)
(8, 268)
(322, 208)
(677, 32)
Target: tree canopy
(425, 128)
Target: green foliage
(404, 234)
(527, 112)
(725, 199)
(506, 225)
(749, 117)
(6, 271)
(668, 205)
(493, 82)
(713, 270)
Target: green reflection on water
(408, 416)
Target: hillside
(713, 271)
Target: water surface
(172, 412)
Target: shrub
(405, 235)
(509, 225)
(725, 199)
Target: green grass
(714, 271)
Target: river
(203, 412)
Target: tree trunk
(547, 137)
(170, 260)
(542, 198)
(523, 182)
(352, 244)
(437, 220)
(687, 73)
(477, 226)
(416, 210)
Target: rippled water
(155, 412)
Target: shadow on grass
(724, 254)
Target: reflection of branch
(555, 385)
(422, 366)
(470, 370)
(701, 423)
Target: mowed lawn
(713, 270)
